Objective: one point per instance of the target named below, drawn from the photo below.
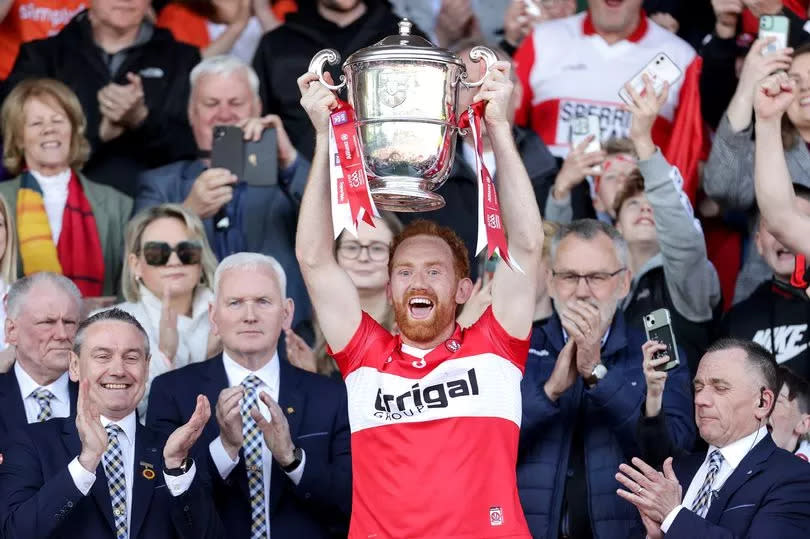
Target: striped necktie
(704, 498)
(253, 458)
(43, 398)
(113, 461)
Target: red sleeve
(688, 143)
(368, 345)
(489, 336)
(524, 60)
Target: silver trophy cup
(404, 91)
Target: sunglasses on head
(157, 253)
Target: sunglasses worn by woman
(157, 253)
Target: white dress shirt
(269, 376)
(84, 479)
(733, 454)
(54, 196)
(60, 404)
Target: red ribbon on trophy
(490, 225)
(351, 198)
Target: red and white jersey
(567, 70)
(435, 438)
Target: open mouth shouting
(420, 307)
(614, 3)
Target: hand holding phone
(659, 70)
(658, 327)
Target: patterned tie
(701, 504)
(43, 398)
(253, 458)
(113, 462)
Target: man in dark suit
(42, 312)
(744, 485)
(291, 475)
(100, 475)
(237, 217)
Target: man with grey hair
(237, 216)
(42, 313)
(584, 391)
(278, 443)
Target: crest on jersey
(495, 516)
(453, 345)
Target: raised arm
(774, 189)
(332, 292)
(512, 291)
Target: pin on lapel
(749, 472)
(290, 410)
(148, 470)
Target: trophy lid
(404, 47)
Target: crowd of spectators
(122, 239)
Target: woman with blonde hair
(167, 279)
(66, 224)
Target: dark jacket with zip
(163, 64)
(776, 318)
(284, 54)
(610, 412)
(460, 191)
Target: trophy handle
(476, 55)
(332, 57)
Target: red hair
(423, 227)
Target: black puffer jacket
(72, 57)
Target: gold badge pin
(290, 410)
(148, 470)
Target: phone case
(584, 126)
(261, 160)
(777, 26)
(228, 149)
(660, 69)
(658, 326)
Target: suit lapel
(749, 467)
(99, 491)
(73, 395)
(11, 401)
(685, 468)
(291, 401)
(147, 456)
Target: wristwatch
(298, 456)
(598, 373)
(180, 470)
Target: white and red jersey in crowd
(435, 433)
(568, 70)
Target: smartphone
(658, 326)
(776, 26)
(660, 69)
(584, 126)
(261, 160)
(228, 149)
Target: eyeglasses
(157, 253)
(377, 250)
(595, 280)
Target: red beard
(431, 327)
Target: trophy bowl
(404, 92)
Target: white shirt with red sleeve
(435, 433)
(567, 70)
